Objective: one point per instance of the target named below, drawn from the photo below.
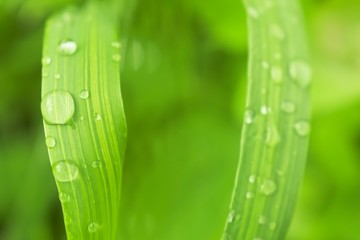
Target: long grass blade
(84, 118)
(276, 124)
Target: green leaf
(84, 118)
(276, 125)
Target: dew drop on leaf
(249, 195)
(252, 179)
(276, 74)
(302, 128)
(264, 110)
(252, 12)
(96, 164)
(231, 216)
(116, 57)
(46, 61)
(288, 107)
(50, 142)
(84, 94)
(57, 76)
(93, 227)
(64, 197)
(57, 107)
(268, 187)
(262, 220)
(249, 116)
(273, 136)
(65, 171)
(116, 44)
(67, 47)
(300, 72)
(97, 117)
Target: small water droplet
(96, 164)
(277, 31)
(65, 171)
(265, 64)
(44, 74)
(116, 44)
(300, 72)
(264, 110)
(50, 142)
(83, 165)
(273, 136)
(249, 195)
(84, 94)
(252, 12)
(252, 179)
(82, 118)
(268, 187)
(276, 74)
(231, 216)
(116, 57)
(67, 47)
(262, 220)
(288, 107)
(57, 76)
(93, 227)
(249, 116)
(97, 117)
(64, 197)
(57, 107)
(272, 226)
(302, 128)
(46, 61)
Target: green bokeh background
(183, 82)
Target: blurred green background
(183, 82)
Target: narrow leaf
(276, 125)
(84, 118)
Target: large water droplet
(300, 72)
(273, 136)
(50, 142)
(84, 94)
(264, 110)
(302, 128)
(65, 171)
(93, 227)
(57, 107)
(288, 107)
(116, 44)
(249, 116)
(276, 74)
(64, 197)
(46, 61)
(268, 187)
(67, 47)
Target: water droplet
(302, 128)
(277, 56)
(249, 116)
(116, 44)
(93, 227)
(44, 74)
(46, 61)
(116, 57)
(272, 226)
(97, 117)
(249, 195)
(231, 216)
(277, 31)
(82, 118)
(300, 72)
(265, 64)
(84, 94)
(276, 74)
(252, 12)
(252, 179)
(84, 165)
(96, 164)
(64, 197)
(264, 110)
(268, 187)
(288, 107)
(50, 142)
(57, 107)
(57, 76)
(67, 47)
(262, 220)
(65, 171)
(273, 136)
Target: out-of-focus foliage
(183, 83)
